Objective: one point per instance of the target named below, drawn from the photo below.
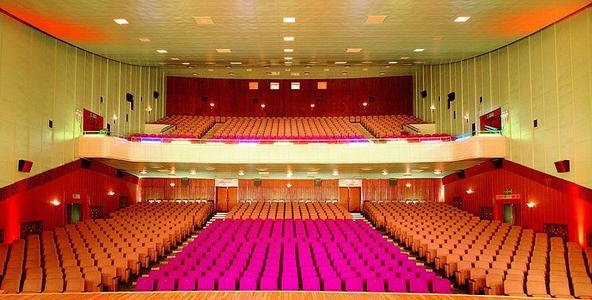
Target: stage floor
(248, 296)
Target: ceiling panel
(323, 30)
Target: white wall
(42, 78)
(546, 76)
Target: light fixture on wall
(149, 109)
(110, 193)
(437, 172)
(432, 107)
(470, 191)
(262, 105)
(289, 174)
(364, 104)
(531, 204)
(192, 172)
(335, 173)
(384, 172)
(241, 173)
(115, 117)
(55, 202)
(172, 184)
(143, 172)
(408, 185)
(289, 185)
(212, 104)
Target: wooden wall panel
(421, 189)
(277, 190)
(161, 189)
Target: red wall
(343, 97)
(426, 189)
(557, 201)
(28, 200)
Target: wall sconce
(55, 202)
(289, 185)
(432, 107)
(364, 104)
(408, 185)
(111, 193)
(470, 191)
(115, 117)
(172, 184)
(212, 104)
(531, 204)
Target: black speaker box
(451, 96)
(25, 165)
(424, 94)
(129, 97)
(85, 163)
(498, 163)
(155, 94)
(257, 182)
(392, 181)
(120, 173)
(185, 181)
(562, 166)
(461, 174)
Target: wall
(277, 189)
(429, 189)
(557, 200)
(42, 79)
(161, 189)
(343, 97)
(29, 199)
(546, 77)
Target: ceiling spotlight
(185, 63)
(289, 20)
(203, 20)
(289, 185)
(341, 62)
(437, 172)
(408, 185)
(335, 173)
(433, 107)
(470, 191)
(288, 50)
(236, 63)
(144, 39)
(312, 105)
(162, 51)
(172, 184)
(461, 19)
(262, 105)
(223, 50)
(418, 50)
(384, 172)
(121, 21)
(353, 50)
(392, 62)
(143, 172)
(287, 58)
(288, 39)
(174, 58)
(241, 173)
(192, 172)
(404, 57)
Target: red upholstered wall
(29, 200)
(343, 97)
(557, 201)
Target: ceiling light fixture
(432, 107)
(335, 173)
(461, 19)
(143, 172)
(192, 172)
(121, 21)
(236, 63)
(384, 172)
(223, 50)
(161, 51)
(241, 173)
(287, 58)
(174, 58)
(392, 62)
(437, 172)
(289, 20)
(186, 63)
(374, 19)
(419, 50)
(288, 39)
(144, 39)
(203, 20)
(353, 50)
(288, 50)
(341, 62)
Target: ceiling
(299, 171)
(254, 30)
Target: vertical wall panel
(42, 78)
(546, 76)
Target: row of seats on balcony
(487, 257)
(289, 255)
(388, 125)
(289, 210)
(98, 255)
(307, 128)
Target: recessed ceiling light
(404, 57)
(289, 20)
(341, 62)
(144, 39)
(288, 50)
(288, 39)
(143, 172)
(287, 58)
(306, 73)
(343, 73)
(231, 73)
(194, 74)
(185, 63)
(287, 62)
(392, 62)
(210, 168)
(121, 21)
(203, 20)
(384, 172)
(210, 63)
(437, 38)
(365, 69)
(210, 70)
(162, 51)
(192, 172)
(437, 172)
(353, 50)
(381, 73)
(461, 19)
(295, 74)
(335, 173)
(174, 58)
(418, 50)
(375, 19)
(249, 70)
(223, 50)
(241, 173)
(387, 66)
(236, 63)
(326, 69)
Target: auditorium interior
(295, 149)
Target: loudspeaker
(498, 163)
(392, 181)
(120, 173)
(257, 182)
(204, 98)
(424, 94)
(85, 163)
(562, 166)
(155, 94)
(25, 165)
(317, 182)
(130, 98)
(461, 174)
(451, 96)
(185, 181)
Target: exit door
(510, 214)
(350, 198)
(226, 198)
(74, 213)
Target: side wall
(343, 97)
(29, 200)
(42, 79)
(546, 77)
(557, 201)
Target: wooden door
(344, 197)
(221, 199)
(232, 200)
(355, 195)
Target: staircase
(212, 131)
(361, 129)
